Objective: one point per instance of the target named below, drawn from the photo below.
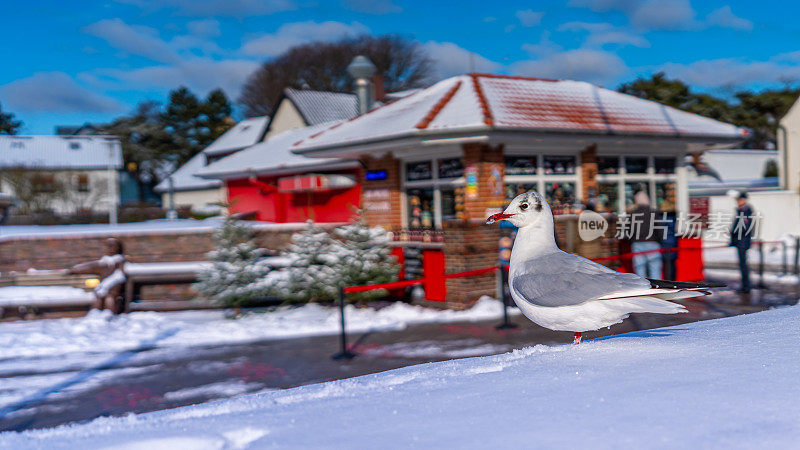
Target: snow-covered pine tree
(357, 255)
(236, 274)
(365, 257)
(313, 274)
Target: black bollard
(784, 258)
(506, 324)
(761, 283)
(344, 352)
(797, 256)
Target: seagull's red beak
(496, 217)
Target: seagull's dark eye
(523, 206)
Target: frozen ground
(76, 336)
(726, 383)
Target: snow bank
(12, 296)
(193, 328)
(726, 383)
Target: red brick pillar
(470, 243)
(589, 173)
(381, 199)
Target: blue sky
(67, 64)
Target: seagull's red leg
(577, 339)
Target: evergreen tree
(365, 258)
(313, 274)
(181, 118)
(216, 118)
(237, 274)
(358, 255)
(7, 123)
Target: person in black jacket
(741, 237)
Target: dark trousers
(744, 269)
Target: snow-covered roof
(273, 156)
(60, 152)
(484, 102)
(243, 134)
(318, 107)
(184, 178)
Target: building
(60, 174)
(204, 195)
(298, 108)
(439, 161)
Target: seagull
(566, 292)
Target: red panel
(433, 268)
(689, 265)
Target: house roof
(484, 102)
(184, 178)
(318, 107)
(60, 152)
(273, 156)
(243, 134)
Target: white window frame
(435, 183)
(541, 179)
(649, 177)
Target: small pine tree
(236, 274)
(313, 273)
(365, 257)
(358, 255)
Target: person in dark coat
(741, 237)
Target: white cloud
(733, 72)
(529, 18)
(55, 92)
(595, 66)
(449, 59)
(136, 40)
(199, 74)
(647, 14)
(372, 6)
(204, 28)
(291, 34)
(217, 8)
(600, 34)
(725, 18)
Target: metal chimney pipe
(362, 69)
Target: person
(110, 268)
(741, 237)
(645, 238)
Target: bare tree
(322, 66)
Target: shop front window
(560, 196)
(416, 171)
(559, 165)
(664, 165)
(631, 189)
(452, 204)
(521, 165)
(514, 189)
(607, 197)
(450, 167)
(608, 165)
(420, 208)
(665, 196)
(636, 164)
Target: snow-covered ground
(725, 383)
(68, 336)
(11, 296)
(773, 254)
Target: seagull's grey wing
(561, 279)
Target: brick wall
(488, 161)
(381, 199)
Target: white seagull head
(525, 210)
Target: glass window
(83, 182)
(453, 204)
(636, 164)
(607, 197)
(631, 189)
(557, 165)
(665, 196)
(420, 208)
(513, 190)
(421, 170)
(451, 168)
(521, 165)
(560, 196)
(664, 165)
(608, 164)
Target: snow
(734, 275)
(13, 296)
(60, 152)
(773, 254)
(725, 383)
(77, 336)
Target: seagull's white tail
(645, 304)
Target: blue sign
(376, 175)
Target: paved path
(154, 379)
